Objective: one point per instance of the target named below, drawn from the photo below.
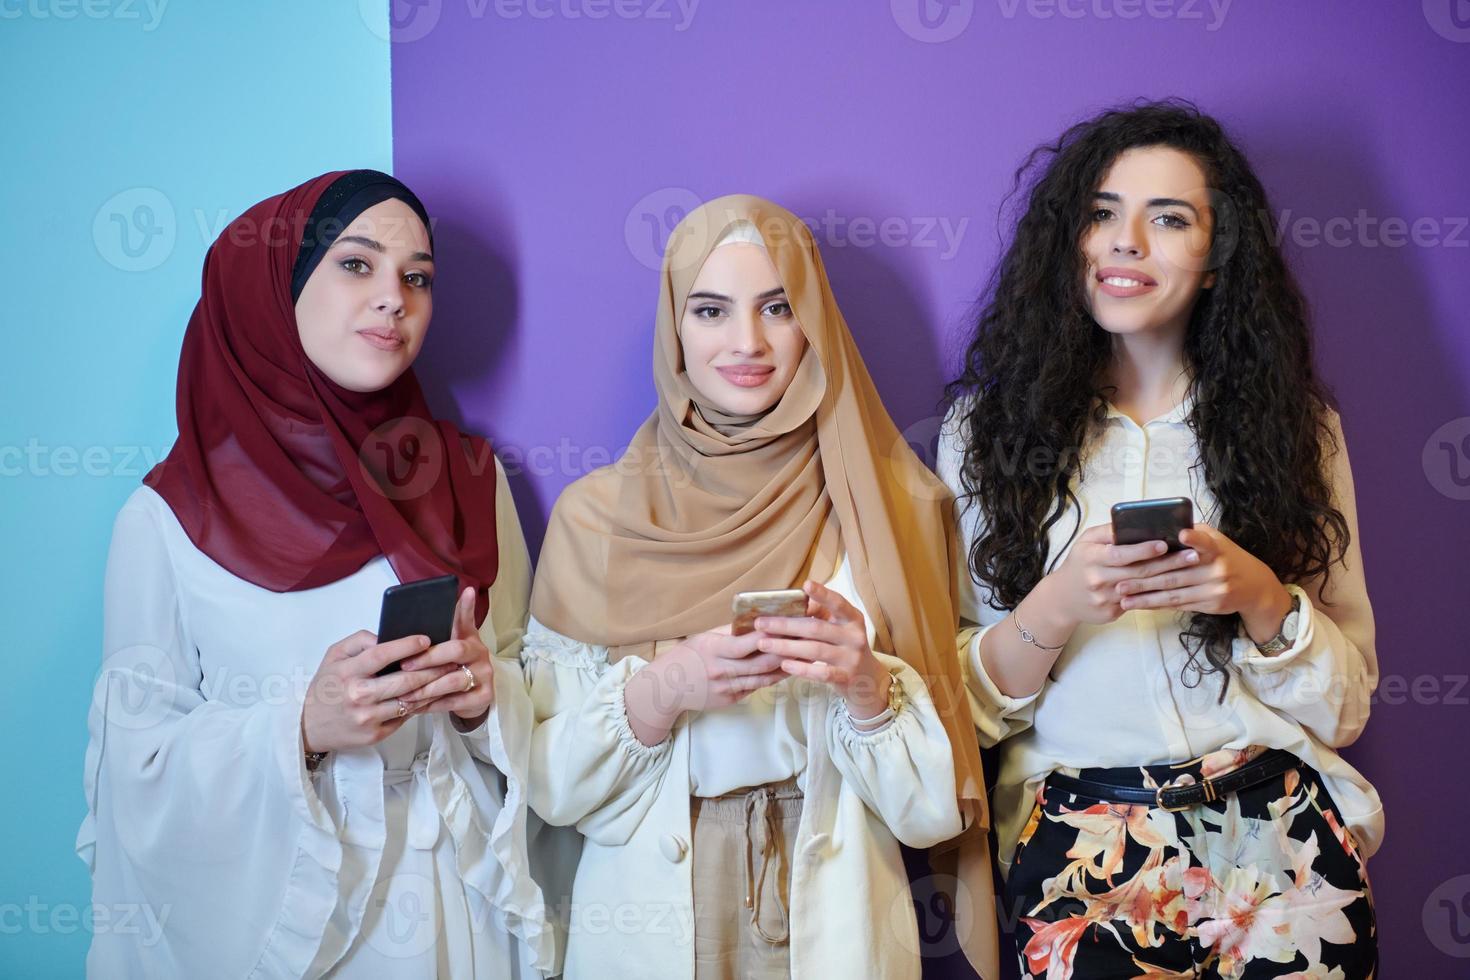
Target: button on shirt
(1115, 696)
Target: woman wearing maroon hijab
(275, 807)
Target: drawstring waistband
(764, 799)
(760, 812)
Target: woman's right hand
(703, 671)
(717, 669)
(1084, 588)
(346, 706)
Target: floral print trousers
(1265, 882)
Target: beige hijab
(705, 505)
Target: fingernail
(761, 624)
(423, 643)
(1160, 547)
(1191, 556)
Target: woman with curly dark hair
(1170, 797)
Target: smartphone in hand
(749, 606)
(425, 607)
(1137, 521)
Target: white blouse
(631, 912)
(1115, 697)
(766, 726)
(407, 858)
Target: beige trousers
(742, 881)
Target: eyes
(359, 267)
(1164, 219)
(776, 310)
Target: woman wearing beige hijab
(742, 798)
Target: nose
(391, 300)
(748, 335)
(1128, 240)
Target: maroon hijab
(280, 475)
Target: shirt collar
(1177, 415)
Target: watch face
(1293, 617)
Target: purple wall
(553, 138)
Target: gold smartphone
(748, 606)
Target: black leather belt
(1266, 766)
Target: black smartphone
(1137, 521)
(425, 608)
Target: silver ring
(402, 708)
(471, 675)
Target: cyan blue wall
(196, 109)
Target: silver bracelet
(867, 726)
(1030, 637)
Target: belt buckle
(1159, 800)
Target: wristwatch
(1286, 636)
(896, 694)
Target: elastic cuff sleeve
(615, 712)
(979, 679)
(1246, 655)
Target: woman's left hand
(830, 644)
(452, 691)
(1224, 579)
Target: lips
(1124, 283)
(746, 375)
(382, 338)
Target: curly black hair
(1034, 369)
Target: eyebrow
(722, 298)
(1153, 202)
(377, 246)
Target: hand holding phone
(708, 670)
(1084, 587)
(358, 694)
(422, 608)
(1161, 519)
(466, 688)
(750, 606)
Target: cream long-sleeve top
(632, 910)
(1115, 695)
(407, 858)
